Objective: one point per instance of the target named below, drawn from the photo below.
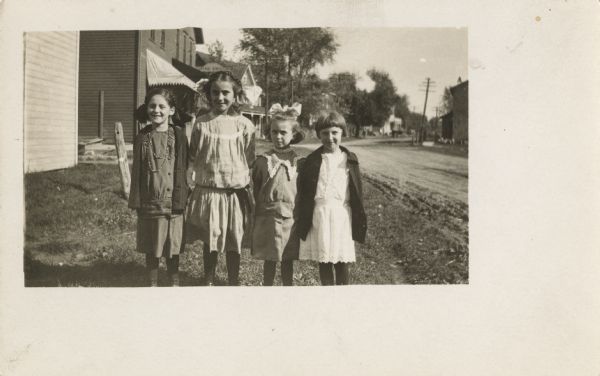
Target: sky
(409, 55)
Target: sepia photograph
(246, 157)
(422, 173)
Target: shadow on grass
(97, 274)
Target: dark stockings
(326, 273)
(341, 273)
(287, 273)
(269, 272)
(152, 269)
(232, 260)
(172, 269)
(210, 265)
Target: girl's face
(159, 110)
(221, 96)
(282, 132)
(331, 138)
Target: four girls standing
(309, 209)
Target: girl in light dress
(330, 208)
(221, 151)
(158, 185)
(274, 183)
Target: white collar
(273, 163)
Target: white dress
(330, 237)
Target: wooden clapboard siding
(50, 100)
(107, 62)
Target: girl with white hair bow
(274, 182)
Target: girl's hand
(190, 175)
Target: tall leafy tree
(383, 96)
(401, 106)
(217, 50)
(288, 56)
(314, 97)
(344, 86)
(363, 109)
(447, 103)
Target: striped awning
(160, 72)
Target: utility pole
(266, 96)
(429, 85)
(424, 109)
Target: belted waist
(221, 189)
(331, 202)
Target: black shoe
(174, 281)
(153, 278)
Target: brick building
(114, 75)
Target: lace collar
(273, 163)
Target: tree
(447, 103)
(217, 50)
(363, 110)
(401, 106)
(312, 97)
(383, 97)
(344, 86)
(287, 56)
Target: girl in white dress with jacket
(330, 212)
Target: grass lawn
(79, 232)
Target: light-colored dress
(330, 237)
(221, 149)
(274, 182)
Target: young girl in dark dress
(158, 186)
(274, 183)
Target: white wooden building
(50, 100)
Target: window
(191, 50)
(153, 34)
(162, 38)
(184, 49)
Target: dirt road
(397, 165)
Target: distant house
(118, 66)
(386, 128)
(253, 110)
(455, 124)
(447, 125)
(460, 119)
(50, 100)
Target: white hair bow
(293, 110)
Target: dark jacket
(308, 176)
(139, 197)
